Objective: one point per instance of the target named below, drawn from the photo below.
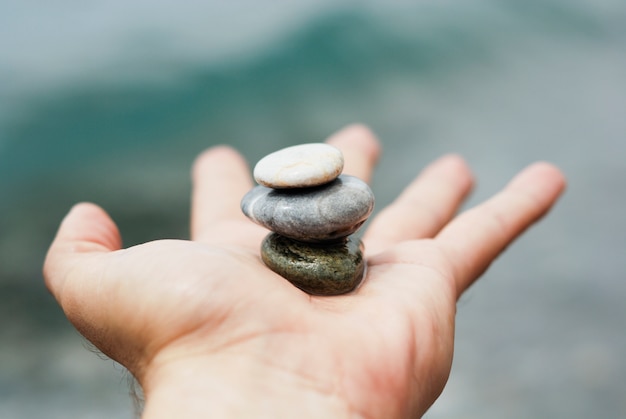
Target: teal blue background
(111, 101)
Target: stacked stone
(312, 210)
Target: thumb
(86, 230)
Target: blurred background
(110, 101)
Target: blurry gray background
(109, 101)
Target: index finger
(476, 237)
(220, 179)
(360, 149)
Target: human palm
(383, 350)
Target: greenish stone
(328, 269)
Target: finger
(475, 238)
(221, 177)
(86, 229)
(424, 207)
(360, 149)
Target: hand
(208, 330)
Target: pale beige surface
(299, 166)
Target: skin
(209, 331)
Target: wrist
(223, 386)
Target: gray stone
(299, 166)
(328, 269)
(324, 213)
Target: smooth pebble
(299, 166)
(322, 270)
(324, 213)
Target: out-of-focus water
(110, 102)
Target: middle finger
(424, 207)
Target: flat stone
(316, 269)
(299, 166)
(325, 213)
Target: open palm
(173, 308)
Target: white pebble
(299, 166)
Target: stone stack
(312, 210)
